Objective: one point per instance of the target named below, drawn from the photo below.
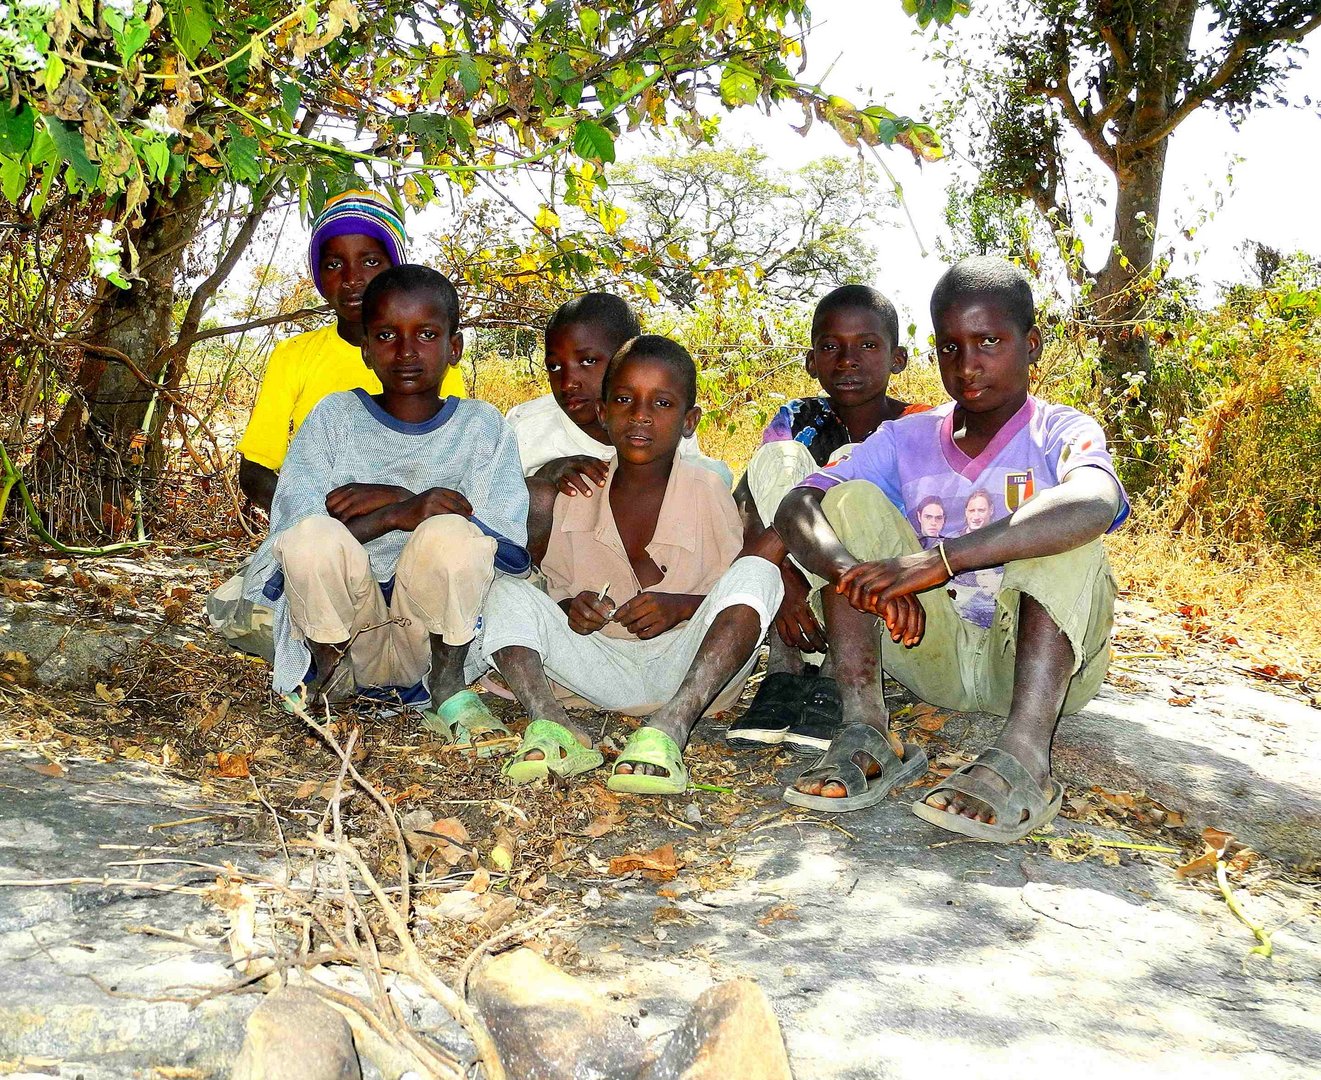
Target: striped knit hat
(357, 213)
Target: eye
(588, 361)
(331, 264)
(869, 345)
(384, 335)
(948, 349)
(372, 260)
(663, 403)
(989, 341)
(826, 346)
(428, 335)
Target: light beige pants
(441, 580)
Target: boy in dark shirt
(855, 349)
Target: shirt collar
(674, 527)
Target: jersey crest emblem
(1019, 487)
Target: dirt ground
(886, 946)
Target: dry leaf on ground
(232, 766)
(1214, 842)
(658, 865)
(603, 824)
(777, 913)
(928, 717)
(51, 769)
(444, 840)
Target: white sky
(875, 55)
(874, 46)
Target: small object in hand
(600, 598)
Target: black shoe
(776, 705)
(819, 718)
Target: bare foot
(680, 737)
(833, 789)
(1033, 759)
(332, 673)
(573, 729)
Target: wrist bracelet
(944, 558)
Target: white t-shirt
(546, 433)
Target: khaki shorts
(958, 665)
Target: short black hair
(858, 296)
(411, 278)
(988, 277)
(656, 347)
(606, 310)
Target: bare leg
(1041, 679)
(728, 643)
(327, 658)
(523, 671)
(855, 647)
(446, 678)
(783, 658)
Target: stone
(547, 1025)
(730, 1032)
(294, 1035)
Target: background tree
(152, 112)
(1121, 75)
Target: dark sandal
(1023, 805)
(836, 764)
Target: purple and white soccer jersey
(944, 493)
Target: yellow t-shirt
(299, 373)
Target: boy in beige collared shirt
(645, 613)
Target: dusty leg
(728, 643)
(523, 671)
(446, 676)
(855, 649)
(783, 658)
(1041, 679)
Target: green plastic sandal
(562, 754)
(463, 718)
(650, 746)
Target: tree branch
(1196, 98)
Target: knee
(315, 541)
(754, 583)
(450, 544)
(785, 452)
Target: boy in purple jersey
(1024, 578)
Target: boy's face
(646, 413)
(852, 356)
(576, 358)
(985, 358)
(409, 344)
(348, 263)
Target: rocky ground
(143, 773)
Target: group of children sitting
(586, 550)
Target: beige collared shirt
(698, 535)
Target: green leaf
(16, 129)
(54, 72)
(130, 42)
(590, 22)
(469, 76)
(290, 96)
(193, 26)
(13, 178)
(69, 143)
(592, 142)
(738, 85)
(157, 154)
(240, 154)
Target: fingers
(905, 619)
(581, 474)
(587, 614)
(645, 615)
(574, 483)
(813, 632)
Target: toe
(624, 769)
(834, 790)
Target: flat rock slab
(894, 952)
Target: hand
(431, 503)
(650, 614)
(575, 475)
(353, 500)
(888, 589)
(587, 614)
(795, 622)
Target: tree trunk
(88, 468)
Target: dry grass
(1263, 594)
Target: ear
(600, 408)
(898, 359)
(456, 348)
(1033, 344)
(809, 362)
(690, 419)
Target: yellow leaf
(547, 218)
